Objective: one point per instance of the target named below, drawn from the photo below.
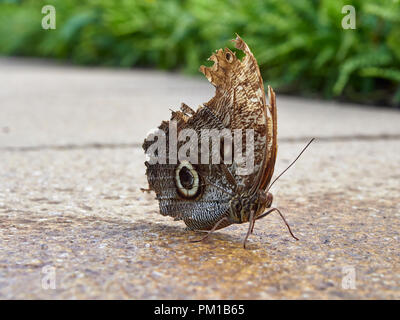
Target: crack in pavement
(67, 147)
(99, 145)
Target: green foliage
(300, 44)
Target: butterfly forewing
(239, 102)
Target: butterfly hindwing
(211, 203)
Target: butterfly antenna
(304, 149)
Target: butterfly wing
(203, 208)
(272, 147)
(240, 103)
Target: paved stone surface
(47, 105)
(71, 169)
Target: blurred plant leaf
(300, 44)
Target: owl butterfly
(208, 195)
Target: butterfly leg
(211, 231)
(250, 230)
(283, 218)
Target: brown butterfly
(211, 196)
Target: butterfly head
(245, 203)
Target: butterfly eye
(187, 180)
(269, 200)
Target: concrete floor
(71, 210)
